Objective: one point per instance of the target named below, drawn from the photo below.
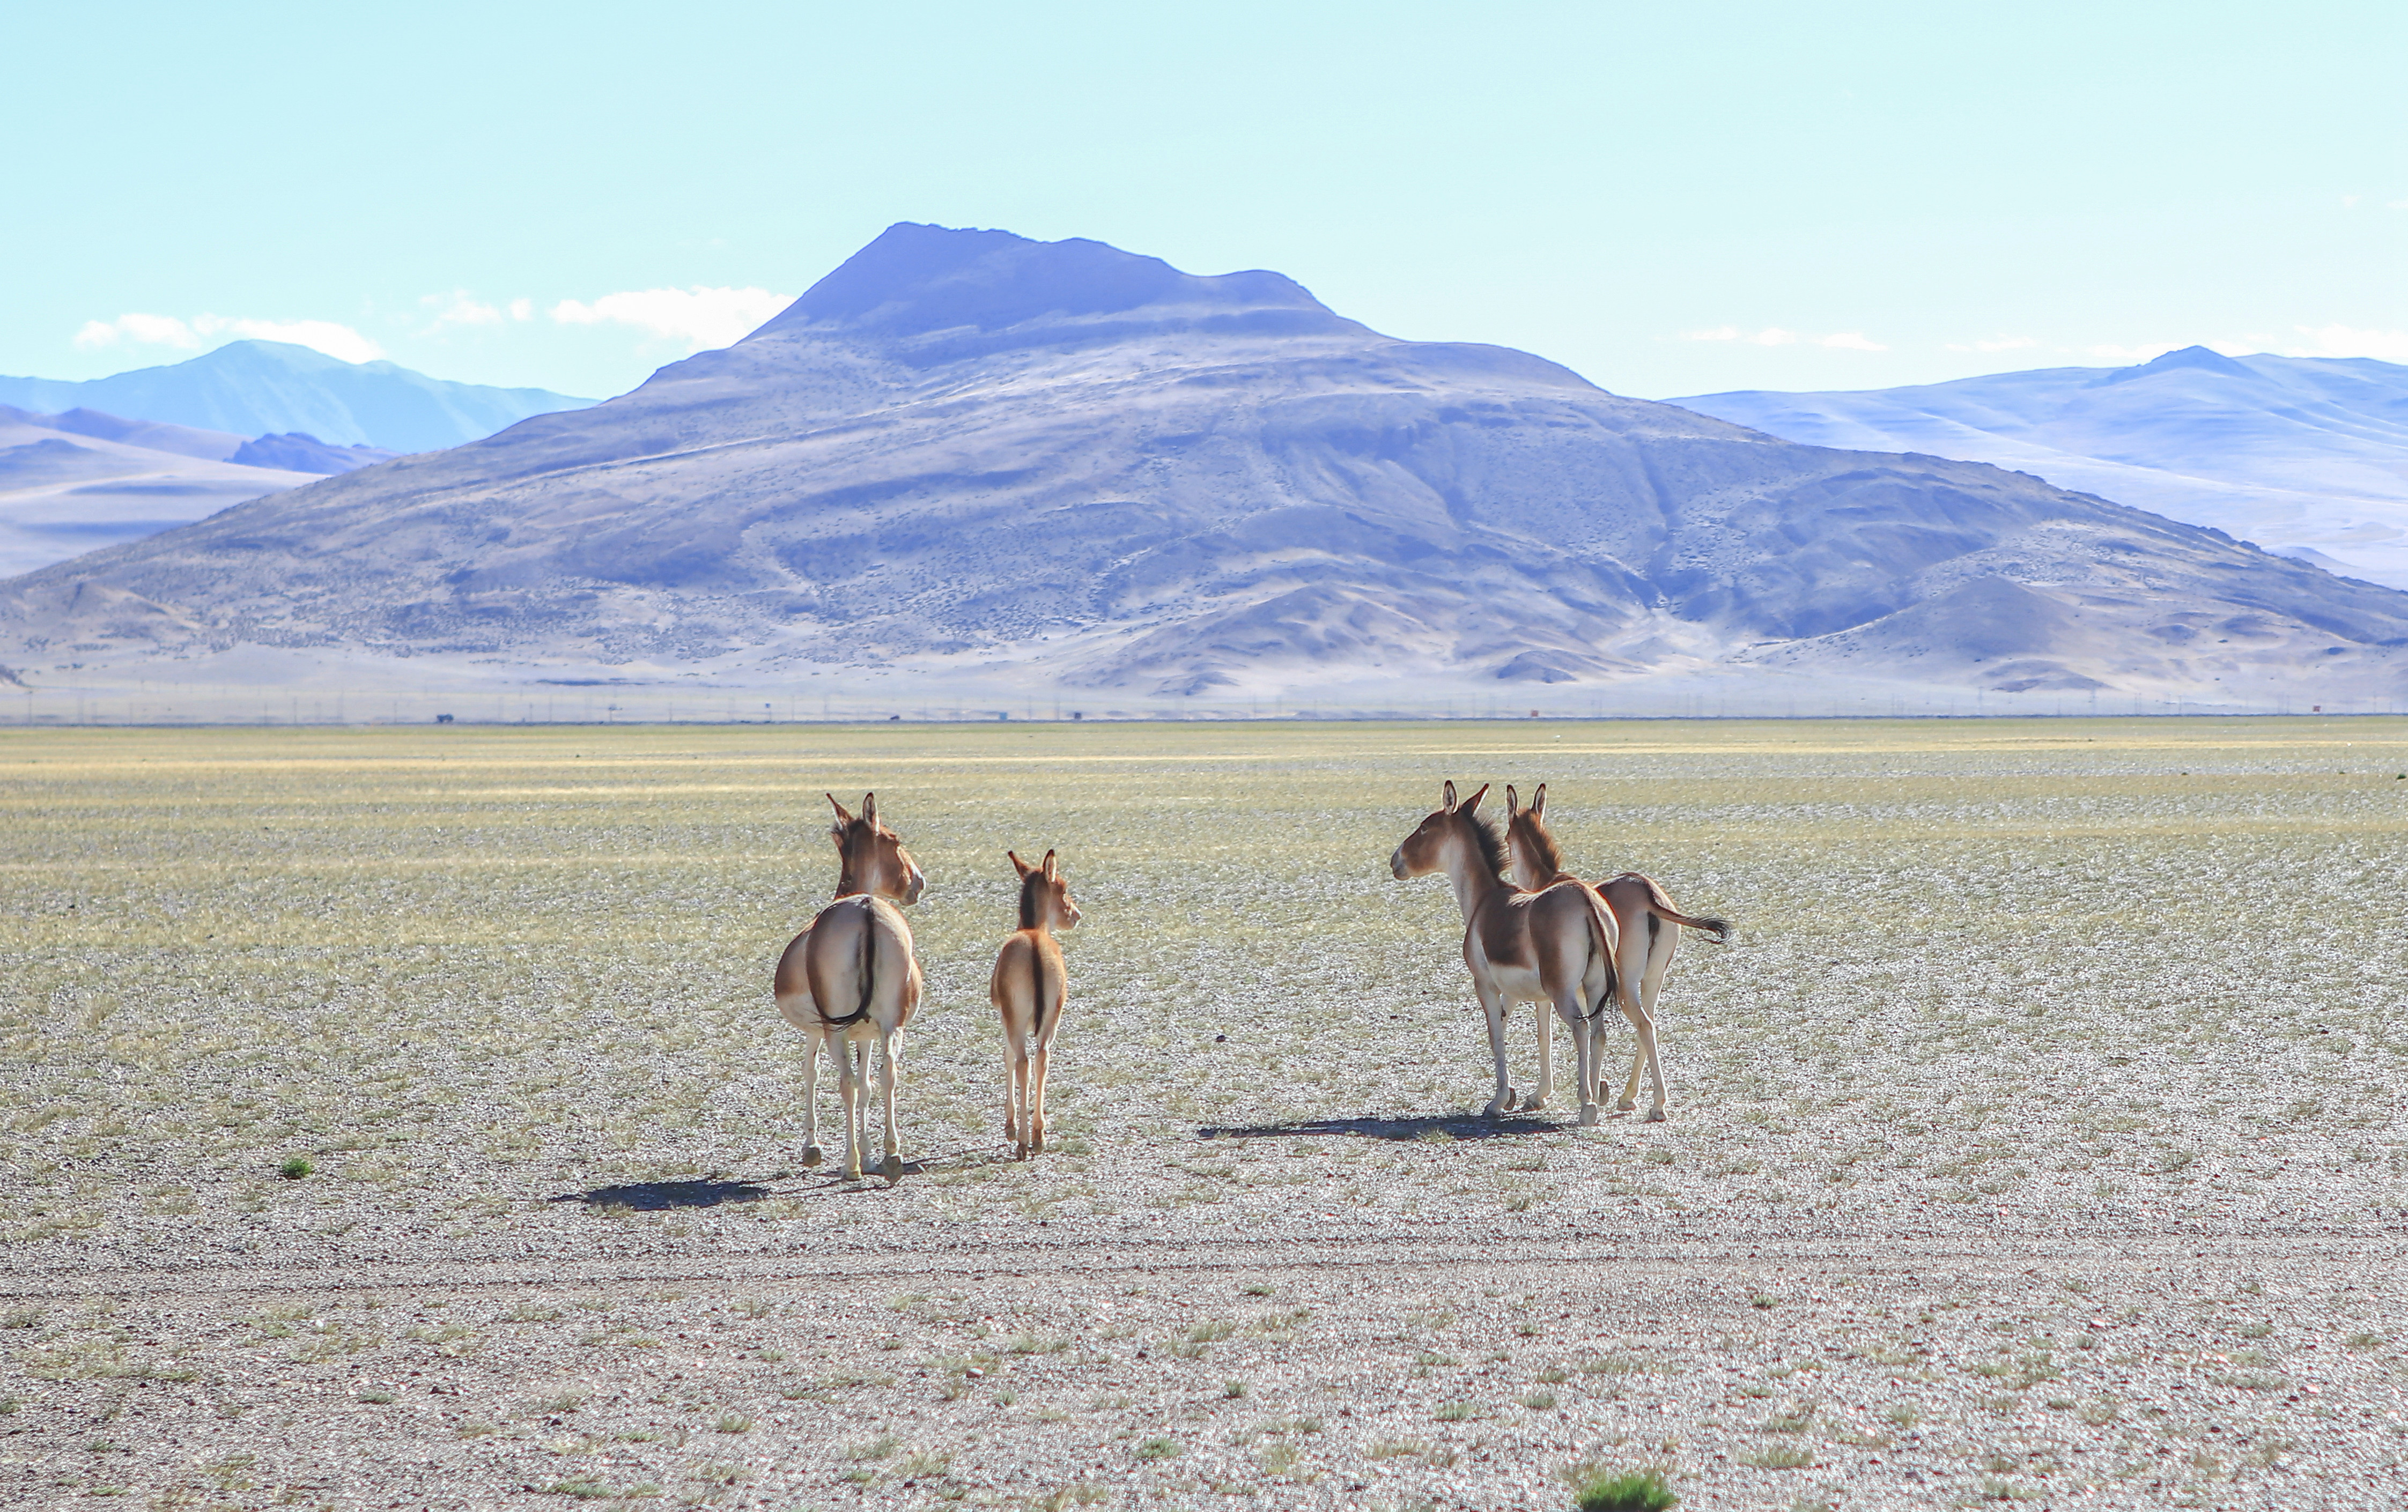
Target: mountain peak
(2200, 357)
(915, 279)
(258, 388)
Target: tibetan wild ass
(1556, 945)
(852, 977)
(1641, 911)
(1029, 989)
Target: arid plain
(2037, 1139)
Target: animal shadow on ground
(713, 1190)
(1451, 1126)
(660, 1196)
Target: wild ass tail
(1600, 945)
(1037, 988)
(865, 966)
(1662, 907)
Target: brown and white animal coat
(1642, 912)
(852, 978)
(1029, 989)
(1555, 945)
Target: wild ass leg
(1630, 962)
(1588, 1037)
(1629, 1098)
(1656, 940)
(1584, 1048)
(1492, 1002)
(1565, 974)
(848, 1086)
(1015, 1096)
(1036, 1096)
(889, 1047)
(1542, 1018)
(1645, 1025)
(811, 1155)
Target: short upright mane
(1492, 845)
(1031, 911)
(1543, 847)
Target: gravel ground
(2038, 1139)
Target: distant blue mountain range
(256, 388)
(2306, 456)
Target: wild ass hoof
(852, 1170)
(1497, 1107)
(1533, 1103)
(1625, 1105)
(891, 1168)
(812, 1155)
(1020, 1152)
(1655, 1114)
(1588, 1115)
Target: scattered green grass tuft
(1620, 1491)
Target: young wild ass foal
(1029, 989)
(1641, 910)
(1555, 945)
(852, 977)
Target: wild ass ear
(1447, 802)
(1053, 872)
(1472, 803)
(869, 809)
(1512, 805)
(1019, 865)
(843, 819)
(1538, 802)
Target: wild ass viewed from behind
(1029, 989)
(1556, 945)
(1641, 910)
(852, 978)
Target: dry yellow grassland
(2040, 1131)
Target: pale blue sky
(1671, 198)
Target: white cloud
(1997, 343)
(338, 341)
(166, 330)
(145, 330)
(698, 317)
(521, 310)
(2337, 340)
(458, 308)
(1774, 335)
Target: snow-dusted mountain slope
(74, 481)
(967, 457)
(2305, 456)
(255, 388)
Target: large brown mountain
(982, 461)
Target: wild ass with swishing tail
(1640, 909)
(1555, 945)
(1029, 989)
(852, 977)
